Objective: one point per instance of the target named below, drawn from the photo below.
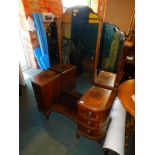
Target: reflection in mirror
(110, 61)
(111, 49)
(79, 34)
(52, 40)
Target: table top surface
(44, 77)
(96, 98)
(125, 92)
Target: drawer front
(90, 123)
(93, 115)
(90, 131)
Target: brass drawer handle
(89, 113)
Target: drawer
(93, 115)
(93, 133)
(91, 123)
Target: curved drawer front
(93, 133)
(92, 123)
(100, 115)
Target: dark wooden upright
(47, 89)
(68, 76)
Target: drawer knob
(89, 113)
(88, 122)
(88, 131)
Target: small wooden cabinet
(93, 112)
(47, 89)
(68, 76)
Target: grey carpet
(44, 144)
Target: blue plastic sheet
(41, 53)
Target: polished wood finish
(92, 133)
(105, 79)
(44, 77)
(94, 123)
(68, 76)
(128, 44)
(125, 91)
(96, 99)
(65, 103)
(101, 14)
(66, 106)
(131, 27)
(47, 89)
(93, 112)
(64, 68)
(60, 41)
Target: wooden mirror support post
(59, 41)
(101, 12)
(131, 28)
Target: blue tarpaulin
(41, 53)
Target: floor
(55, 136)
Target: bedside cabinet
(93, 112)
(68, 76)
(47, 89)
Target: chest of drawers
(93, 112)
(47, 89)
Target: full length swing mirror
(79, 34)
